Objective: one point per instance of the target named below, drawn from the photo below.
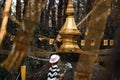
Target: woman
(54, 71)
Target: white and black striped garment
(53, 71)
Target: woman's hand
(61, 75)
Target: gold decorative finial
(70, 9)
(69, 32)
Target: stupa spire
(69, 32)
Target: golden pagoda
(69, 33)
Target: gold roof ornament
(69, 32)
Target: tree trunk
(61, 13)
(5, 20)
(78, 11)
(89, 5)
(18, 10)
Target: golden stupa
(69, 33)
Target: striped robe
(53, 71)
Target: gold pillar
(23, 72)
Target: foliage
(4, 74)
